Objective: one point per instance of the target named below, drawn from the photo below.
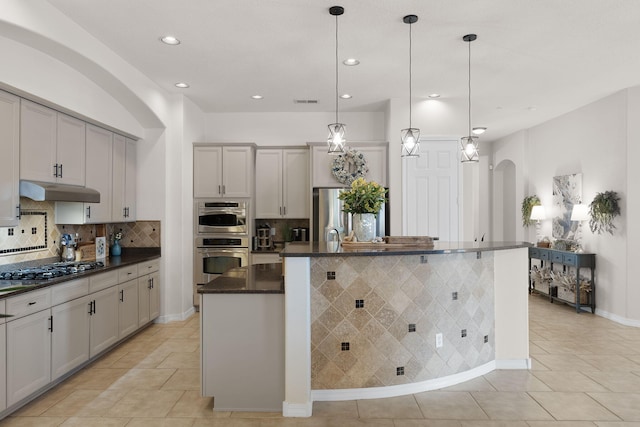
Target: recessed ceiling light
(256, 96)
(182, 85)
(170, 40)
(434, 95)
(478, 130)
(345, 96)
(351, 62)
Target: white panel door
(99, 173)
(10, 154)
(269, 184)
(128, 308)
(104, 320)
(237, 169)
(295, 183)
(70, 149)
(37, 142)
(207, 171)
(430, 200)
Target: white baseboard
(514, 364)
(618, 319)
(403, 389)
(297, 409)
(176, 317)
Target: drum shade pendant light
(410, 136)
(336, 138)
(469, 144)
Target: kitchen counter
(253, 279)
(315, 249)
(129, 256)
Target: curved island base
(382, 323)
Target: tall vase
(116, 250)
(364, 226)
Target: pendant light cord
(469, 90)
(337, 69)
(410, 25)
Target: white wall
(592, 140)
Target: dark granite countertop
(315, 249)
(253, 279)
(129, 256)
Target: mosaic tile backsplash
(374, 319)
(37, 237)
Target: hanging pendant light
(469, 144)
(410, 136)
(336, 140)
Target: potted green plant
(363, 200)
(527, 205)
(603, 209)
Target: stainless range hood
(46, 191)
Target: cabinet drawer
(31, 302)
(70, 290)
(127, 273)
(556, 257)
(544, 255)
(103, 281)
(148, 266)
(534, 253)
(570, 259)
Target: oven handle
(209, 250)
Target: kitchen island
(373, 323)
(242, 339)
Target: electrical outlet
(439, 340)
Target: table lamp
(537, 214)
(579, 213)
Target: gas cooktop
(50, 271)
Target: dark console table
(571, 263)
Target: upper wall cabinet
(282, 183)
(10, 154)
(222, 171)
(52, 146)
(99, 177)
(124, 179)
(376, 155)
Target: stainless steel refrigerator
(328, 215)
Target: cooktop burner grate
(50, 271)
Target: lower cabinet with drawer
(58, 329)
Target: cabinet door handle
(224, 190)
(51, 324)
(60, 176)
(122, 295)
(32, 302)
(18, 210)
(55, 170)
(88, 211)
(149, 283)
(220, 189)
(284, 210)
(90, 308)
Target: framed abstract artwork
(567, 191)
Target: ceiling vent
(305, 101)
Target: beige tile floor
(586, 373)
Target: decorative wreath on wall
(349, 166)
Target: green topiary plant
(602, 210)
(527, 205)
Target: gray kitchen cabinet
(222, 171)
(124, 180)
(10, 153)
(376, 155)
(127, 308)
(282, 183)
(69, 336)
(28, 355)
(104, 320)
(148, 291)
(52, 145)
(69, 326)
(99, 154)
(3, 367)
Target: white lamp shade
(580, 212)
(537, 213)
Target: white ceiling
(533, 60)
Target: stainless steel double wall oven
(221, 240)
